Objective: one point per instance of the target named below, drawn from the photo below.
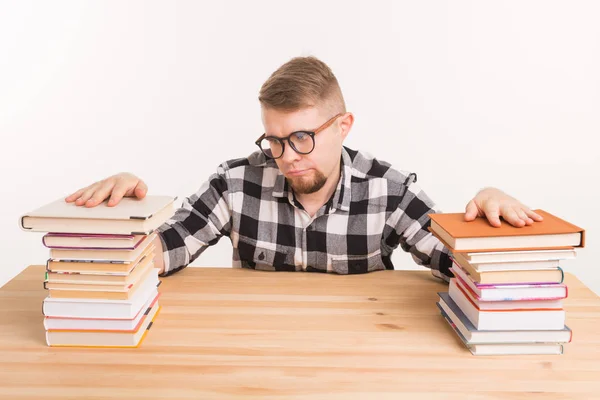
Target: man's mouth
(297, 172)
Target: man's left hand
(493, 204)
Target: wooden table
(232, 333)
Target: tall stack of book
(100, 276)
(507, 293)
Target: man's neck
(314, 201)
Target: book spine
(22, 223)
(562, 275)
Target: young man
(305, 202)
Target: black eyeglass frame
(288, 137)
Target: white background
(465, 94)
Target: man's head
(303, 95)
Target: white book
(488, 349)
(519, 256)
(471, 335)
(507, 320)
(101, 308)
(486, 305)
(103, 339)
(508, 266)
(101, 324)
(132, 216)
(517, 349)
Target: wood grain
(235, 333)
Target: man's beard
(308, 185)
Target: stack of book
(507, 293)
(100, 276)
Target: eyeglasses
(302, 142)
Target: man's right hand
(116, 186)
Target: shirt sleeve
(408, 227)
(200, 222)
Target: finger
(511, 216)
(533, 215)
(521, 213)
(118, 193)
(141, 189)
(74, 196)
(492, 213)
(87, 193)
(100, 194)
(471, 211)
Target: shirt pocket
(348, 264)
(263, 256)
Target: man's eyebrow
(297, 130)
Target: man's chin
(306, 184)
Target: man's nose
(289, 154)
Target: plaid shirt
(373, 210)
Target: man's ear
(345, 122)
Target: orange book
(120, 293)
(98, 267)
(55, 283)
(479, 235)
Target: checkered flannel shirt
(373, 210)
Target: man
(304, 202)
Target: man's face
(307, 173)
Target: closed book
(101, 324)
(516, 256)
(136, 275)
(101, 278)
(90, 241)
(99, 338)
(539, 319)
(478, 235)
(102, 255)
(488, 349)
(97, 266)
(105, 293)
(547, 275)
(509, 292)
(473, 335)
(99, 308)
(506, 265)
(132, 216)
(485, 305)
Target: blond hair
(300, 83)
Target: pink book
(531, 291)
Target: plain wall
(467, 94)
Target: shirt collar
(341, 196)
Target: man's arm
(408, 226)
(199, 223)
(158, 255)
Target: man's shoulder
(256, 159)
(256, 167)
(367, 167)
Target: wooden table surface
(233, 333)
